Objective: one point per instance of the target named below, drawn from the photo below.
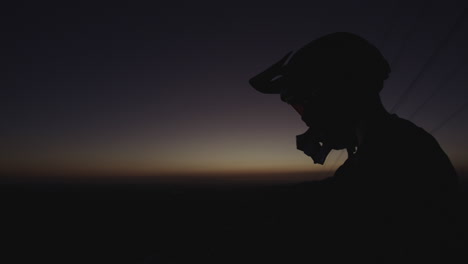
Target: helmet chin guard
(317, 149)
(312, 147)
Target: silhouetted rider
(389, 202)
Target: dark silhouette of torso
(390, 202)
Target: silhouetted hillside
(157, 223)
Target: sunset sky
(162, 89)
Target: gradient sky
(163, 88)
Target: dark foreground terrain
(74, 222)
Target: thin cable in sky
(417, 25)
(429, 62)
(450, 117)
(439, 87)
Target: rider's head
(330, 82)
